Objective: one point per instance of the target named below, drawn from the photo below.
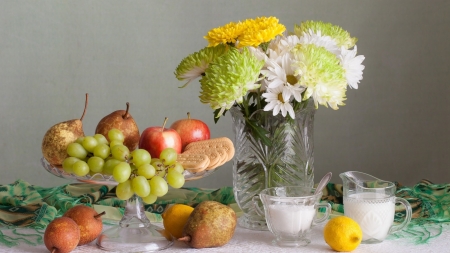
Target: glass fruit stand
(135, 232)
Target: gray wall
(395, 126)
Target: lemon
(175, 217)
(342, 234)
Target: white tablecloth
(247, 241)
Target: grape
(122, 172)
(102, 150)
(101, 139)
(114, 143)
(159, 167)
(146, 170)
(140, 186)
(175, 179)
(68, 163)
(158, 186)
(150, 199)
(80, 168)
(168, 156)
(96, 164)
(124, 190)
(120, 152)
(75, 149)
(154, 159)
(80, 140)
(108, 167)
(176, 167)
(133, 167)
(89, 143)
(140, 157)
(116, 134)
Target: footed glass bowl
(134, 233)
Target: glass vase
(287, 161)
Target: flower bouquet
(272, 82)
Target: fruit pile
(79, 225)
(209, 224)
(134, 171)
(142, 164)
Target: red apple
(155, 139)
(191, 130)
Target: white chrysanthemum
(353, 66)
(278, 100)
(319, 40)
(258, 53)
(282, 45)
(283, 75)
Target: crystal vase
(287, 161)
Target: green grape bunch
(136, 172)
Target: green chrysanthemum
(229, 78)
(194, 65)
(341, 36)
(321, 74)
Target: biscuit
(212, 154)
(194, 162)
(222, 143)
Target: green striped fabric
(25, 205)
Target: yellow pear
(59, 136)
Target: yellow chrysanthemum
(226, 34)
(260, 30)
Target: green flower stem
(259, 98)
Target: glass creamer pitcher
(371, 202)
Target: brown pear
(122, 120)
(61, 235)
(88, 220)
(59, 136)
(211, 224)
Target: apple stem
(54, 250)
(125, 115)
(99, 215)
(85, 107)
(164, 124)
(186, 238)
(189, 115)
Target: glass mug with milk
(290, 212)
(371, 203)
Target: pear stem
(164, 124)
(99, 215)
(126, 114)
(189, 115)
(85, 107)
(186, 238)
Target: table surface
(246, 241)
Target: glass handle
(325, 216)
(255, 201)
(395, 228)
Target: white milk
(374, 213)
(291, 219)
